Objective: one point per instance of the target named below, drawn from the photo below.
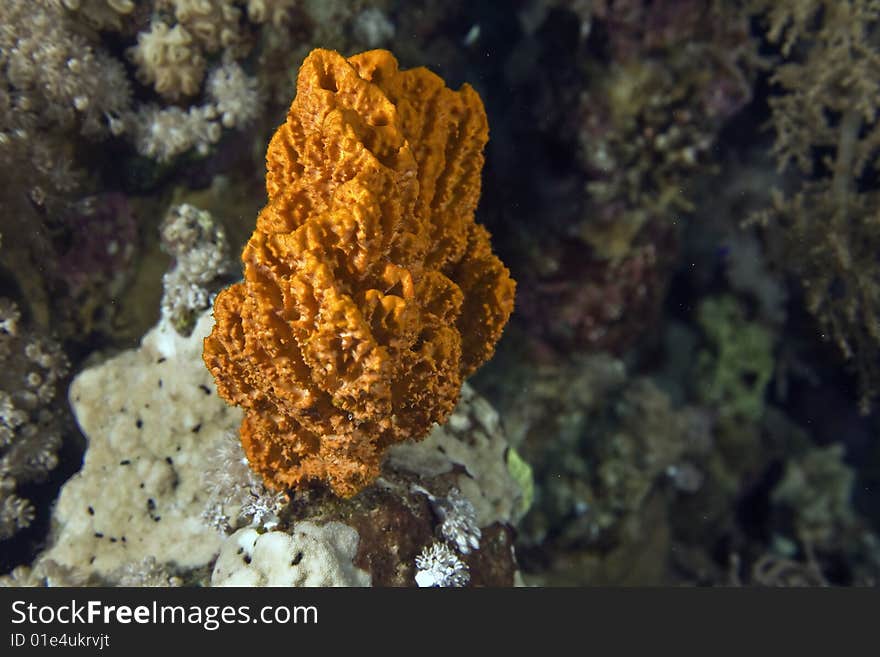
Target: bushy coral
(163, 133)
(825, 120)
(369, 291)
(458, 526)
(33, 367)
(237, 496)
(54, 76)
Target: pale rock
(310, 555)
(152, 418)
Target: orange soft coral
(369, 291)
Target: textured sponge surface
(369, 291)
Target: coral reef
(69, 95)
(54, 77)
(201, 255)
(597, 304)
(369, 290)
(186, 494)
(600, 445)
(647, 123)
(685, 190)
(829, 228)
(644, 101)
(31, 418)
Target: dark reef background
(685, 191)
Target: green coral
(521, 472)
(733, 374)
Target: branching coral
(825, 119)
(52, 76)
(369, 291)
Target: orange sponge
(369, 291)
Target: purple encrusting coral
(103, 241)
